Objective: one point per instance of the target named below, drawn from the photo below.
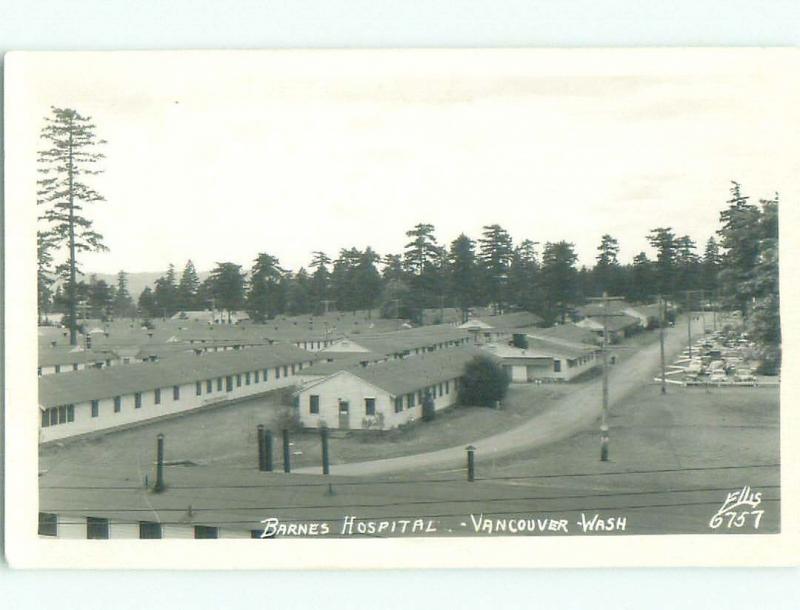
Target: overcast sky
(218, 157)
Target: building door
(229, 383)
(344, 414)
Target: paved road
(571, 414)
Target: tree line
(738, 265)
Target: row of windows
(52, 416)
(58, 415)
(97, 528)
(435, 391)
(74, 366)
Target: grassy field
(226, 436)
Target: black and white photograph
(422, 300)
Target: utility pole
(604, 436)
(661, 318)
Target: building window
(157, 396)
(410, 400)
(95, 408)
(369, 406)
(137, 400)
(45, 418)
(53, 416)
(62, 414)
(344, 407)
(285, 371)
(219, 384)
(203, 531)
(198, 388)
(70, 413)
(277, 372)
(74, 366)
(255, 376)
(313, 404)
(209, 386)
(149, 530)
(266, 376)
(247, 378)
(238, 381)
(58, 368)
(398, 404)
(176, 392)
(446, 387)
(556, 366)
(39, 371)
(292, 369)
(48, 524)
(117, 404)
(96, 528)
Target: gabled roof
(407, 375)
(61, 355)
(80, 386)
(614, 322)
(506, 321)
(569, 333)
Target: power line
(412, 502)
(269, 485)
(442, 515)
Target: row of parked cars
(723, 357)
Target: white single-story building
(383, 395)
(491, 329)
(545, 360)
(62, 360)
(618, 326)
(91, 400)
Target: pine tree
(188, 287)
(559, 279)
(663, 240)
(44, 274)
(266, 297)
(123, 302)
(463, 276)
(166, 293)
(64, 194)
(495, 252)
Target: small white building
(94, 400)
(545, 360)
(382, 396)
(54, 360)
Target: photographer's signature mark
(739, 509)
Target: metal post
(604, 418)
(661, 317)
(287, 457)
(268, 450)
(326, 466)
(261, 456)
(159, 487)
(689, 321)
(470, 463)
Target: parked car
(718, 376)
(744, 375)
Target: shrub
(484, 383)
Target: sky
(219, 156)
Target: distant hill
(139, 281)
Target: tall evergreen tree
(320, 280)
(711, 264)
(559, 279)
(607, 270)
(523, 277)
(266, 297)
(64, 193)
(123, 305)
(664, 241)
(495, 252)
(166, 293)
(187, 288)
(464, 274)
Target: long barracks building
(90, 400)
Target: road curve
(568, 415)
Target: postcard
(401, 308)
